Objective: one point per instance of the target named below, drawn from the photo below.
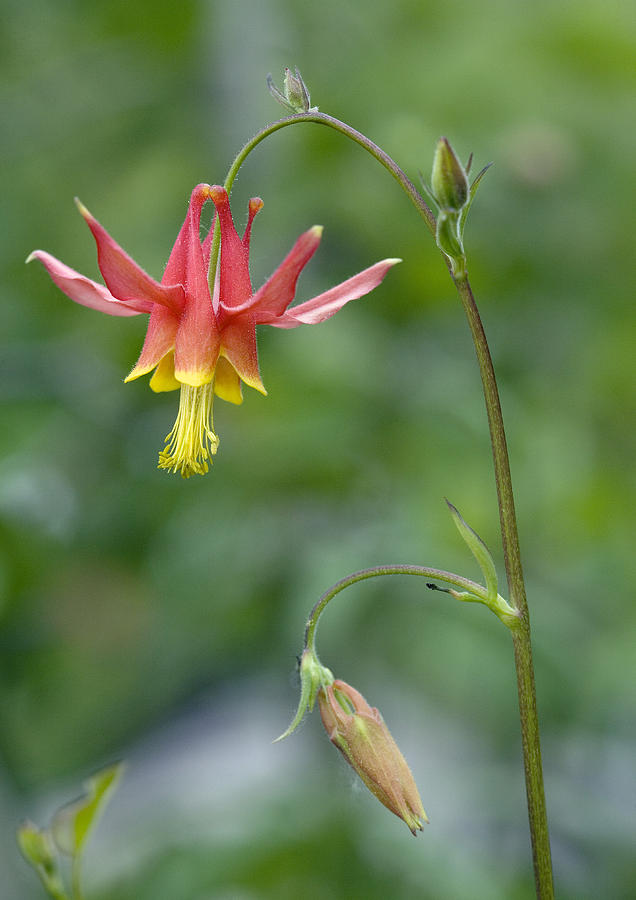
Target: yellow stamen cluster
(192, 442)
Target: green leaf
(479, 550)
(471, 197)
(73, 823)
(428, 193)
(313, 676)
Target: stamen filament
(192, 442)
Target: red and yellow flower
(201, 341)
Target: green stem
(507, 516)
(54, 888)
(76, 879)
(521, 633)
(321, 119)
(438, 574)
(313, 675)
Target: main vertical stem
(512, 557)
(520, 636)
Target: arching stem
(321, 119)
(465, 584)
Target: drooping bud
(449, 180)
(294, 96)
(359, 732)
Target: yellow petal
(227, 384)
(163, 378)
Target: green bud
(449, 180)
(38, 849)
(294, 96)
(37, 846)
(296, 91)
(359, 732)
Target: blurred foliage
(130, 598)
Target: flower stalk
(313, 675)
(521, 628)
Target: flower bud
(37, 848)
(359, 732)
(296, 91)
(294, 96)
(449, 180)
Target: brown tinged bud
(359, 732)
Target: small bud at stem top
(294, 96)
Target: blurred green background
(147, 618)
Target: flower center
(192, 442)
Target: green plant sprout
(67, 834)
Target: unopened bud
(296, 91)
(294, 96)
(449, 180)
(359, 732)
(37, 846)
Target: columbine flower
(203, 343)
(359, 732)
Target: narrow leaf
(479, 550)
(471, 197)
(312, 676)
(428, 192)
(73, 823)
